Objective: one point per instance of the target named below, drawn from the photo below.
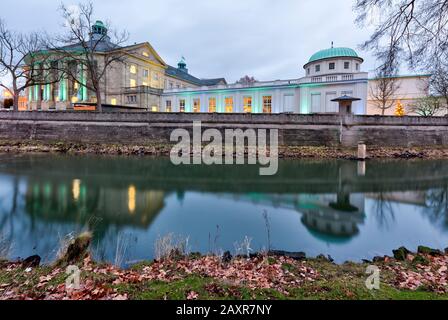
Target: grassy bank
(158, 149)
(421, 276)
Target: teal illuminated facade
(330, 73)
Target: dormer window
(317, 68)
(332, 66)
(346, 65)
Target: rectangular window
(267, 104)
(168, 106)
(247, 104)
(132, 83)
(154, 109)
(145, 84)
(146, 54)
(318, 68)
(196, 105)
(171, 85)
(315, 103)
(357, 67)
(132, 99)
(146, 73)
(113, 101)
(133, 69)
(332, 66)
(212, 105)
(346, 65)
(229, 104)
(308, 71)
(155, 76)
(182, 105)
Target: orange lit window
(229, 104)
(212, 105)
(247, 104)
(267, 104)
(196, 105)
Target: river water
(346, 209)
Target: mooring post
(362, 151)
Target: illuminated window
(154, 109)
(212, 105)
(146, 73)
(229, 104)
(133, 83)
(146, 54)
(346, 65)
(317, 68)
(182, 105)
(267, 104)
(332, 66)
(247, 104)
(74, 99)
(145, 84)
(196, 105)
(113, 101)
(168, 106)
(133, 69)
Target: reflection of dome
(331, 223)
(334, 53)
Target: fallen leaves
(432, 275)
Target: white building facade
(330, 73)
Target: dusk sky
(266, 39)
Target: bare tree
(416, 30)
(383, 89)
(439, 83)
(246, 80)
(426, 106)
(89, 52)
(21, 66)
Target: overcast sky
(267, 39)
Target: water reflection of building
(76, 201)
(331, 217)
(335, 217)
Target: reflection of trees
(437, 205)
(6, 221)
(383, 210)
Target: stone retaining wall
(294, 129)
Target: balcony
(142, 89)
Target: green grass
(336, 282)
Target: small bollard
(362, 151)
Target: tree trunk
(15, 103)
(15, 97)
(99, 104)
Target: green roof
(333, 53)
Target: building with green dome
(329, 74)
(145, 82)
